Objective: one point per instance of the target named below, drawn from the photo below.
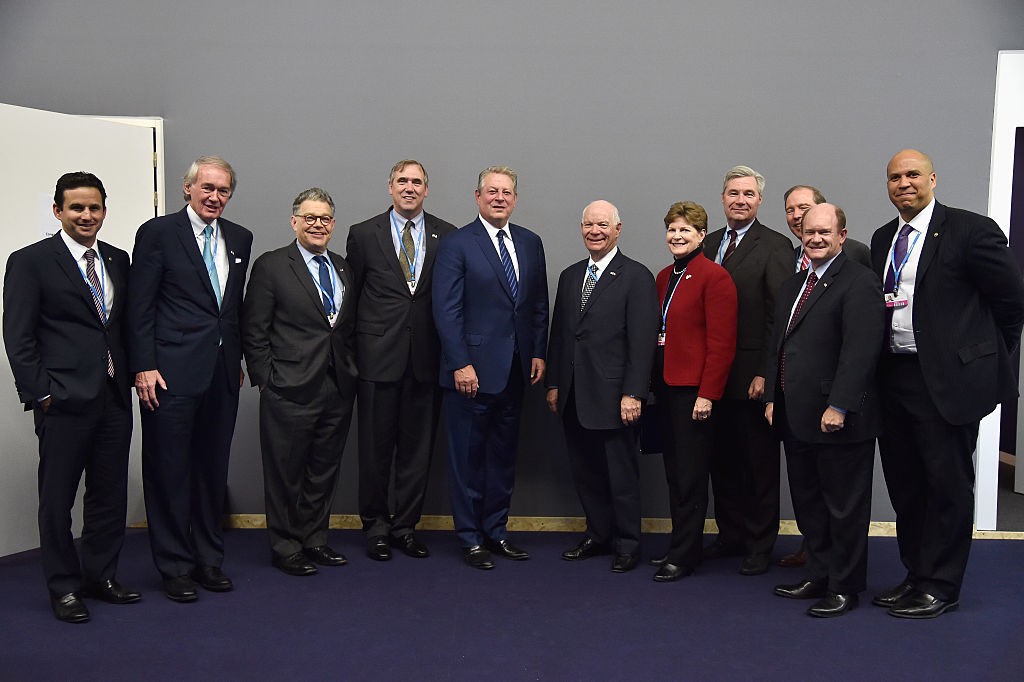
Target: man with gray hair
(745, 465)
(297, 324)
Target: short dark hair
(819, 198)
(74, 181)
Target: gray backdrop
(642, 103)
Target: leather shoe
(508, 550)
(377, 548)
(477, 557)
(69, 608)
(324, 555)
(212, 578)
(410, 546)
(624, 562)
(585, 549)
(668, 573)
(889, 598)
(660, 560)
(805, 589)
(755, 564)
(111, 592)
(833, 604)
(794, 560)
(294, 564)
(921, 605)
(719, 550)
(181, 589)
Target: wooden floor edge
(578, 524)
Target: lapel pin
(935, 234)
(433, 235)
(612, 273)
(688, 276)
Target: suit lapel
(343, 277)
(117, 277)
(745, 247)
(231, 243)
(819, 289)
(483, 240)
(305, 280)
(387, 247)
(187, 236)
(604, 282)
(67, 263)
(931, 241)
(430, 240)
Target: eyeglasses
(311, 220)
(222, 192)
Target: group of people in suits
(743, 341)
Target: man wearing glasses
(297, 322)
(185, 293)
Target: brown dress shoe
(794, 560)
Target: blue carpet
(544, 619)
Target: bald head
(600, 227)
(910, 178)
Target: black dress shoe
(624, 562)
(181, 589)
(324, 555)
(377, 548)
(69, 608)
(111, 592)
(921, 605)
(719, 550)
(410, 546)
(294, 564)
(833, 604)
(660, 560)
(889, 598)
(585, 549)
(755, 564)
(212, 578)
(477, 557)
(805, 589)
(508, 550)
(668, 573)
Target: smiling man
(603, 336)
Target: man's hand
(466, 382)
(769, 412)
(553, 400)
(44, 404)
(756, 389)
(629, 407)
(832, 420)
(701, 409)
(145, 385)
(241, 377)
(536, 371)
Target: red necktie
(812, 279)
(731, 247)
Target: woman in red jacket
(696, 346)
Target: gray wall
(643, 103)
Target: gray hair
(193, 171)
(744, 172)
(500, 170)
(312, 194)
(400, 166)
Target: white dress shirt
(78, 253)
(902, 340)
(492, 231)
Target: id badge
(661, 339)
(895, 303)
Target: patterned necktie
(211, 266)
(732, 245)
(97, 291)
(805, 262)
(408, 268)
(812, 279)
(506, 261)
(326, 285)
(588, 286)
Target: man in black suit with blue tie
(186, 283)
(63, 302)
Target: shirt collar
(741, 231)
(198, 226)
(605, 260)
(400, 220)
(820, 270)
(76, 249)
(308, 255)
(920, 222)
(492, 230)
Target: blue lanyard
(334, 281)
(668, 303)
(898, 271)
(592, 275)
(417, 243)
(102, 293)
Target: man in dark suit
(746, 463)
(297, 326)
(392, 261)
(820, 397)
(63, 301)
(491, 312)
(187, 276)
(955, 300)
(603, 336)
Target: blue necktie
(211, 266)
(326, 285)
(506, 261)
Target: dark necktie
(899, 252)
(506, 262)
(588, 286)
(732, 246)
(812, 279)
(97, 291)
(326, 285)
(408, 268)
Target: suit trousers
(397, 428)
(94, 439)
(607, 476)
(302, 446)
(483, 433)
(929, 471)
(745, 476)
(686, 453)
(186, 443)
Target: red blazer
(700, 340)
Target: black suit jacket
(174, 324)
(968, 310)
(391, 322)
(288, 340)
(605, 351)
(55, 340)
(758, 266)
(831, 352)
